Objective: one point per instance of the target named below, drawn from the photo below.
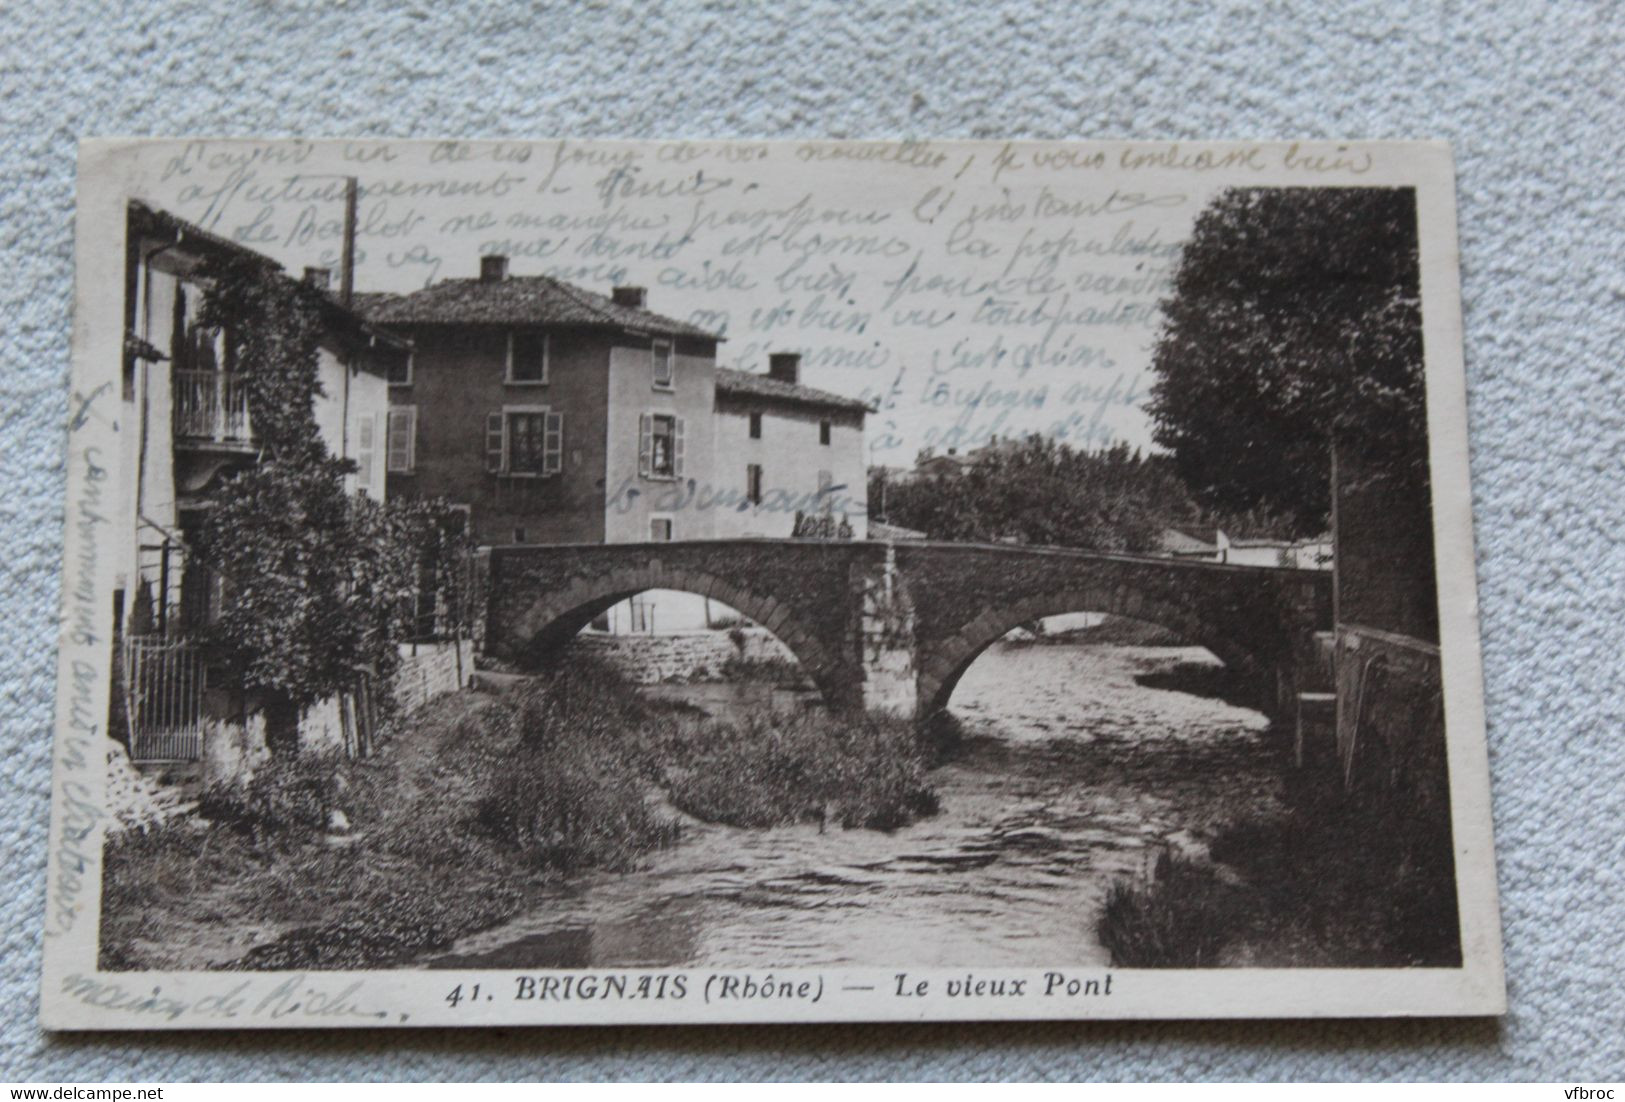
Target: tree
(1038, 491)
(1295, 320)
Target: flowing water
(1072, 774)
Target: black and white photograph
(546, 582)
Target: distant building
(799, 450)
(1310, 554)
(559, 415)
(1203, 543)
(1208, 543)
(930, 465)
(1258, 552)
(880, 530)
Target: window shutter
(677, 448)
(553, 444)
(363, 452)
(402, 442)
(646, 432)
(495, 453)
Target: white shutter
(402, 439)
(646, 433)
(553, 444)
(495, 453)
(363, 452)
(677, 447)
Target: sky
(971, 290)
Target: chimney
(785, 367)
(493, 269)
(635, 297)
(319, 278)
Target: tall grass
(1181, 919)
(1334, 881)
(770, 770)
(467, 809)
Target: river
(1071, 775)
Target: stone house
(184, 424)
(557, 415)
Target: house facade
(184, 425)
(557, 415)
(793, 450)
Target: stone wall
(429, 669)
(679, 657)
(234, 745)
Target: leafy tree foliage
(1039, 491)
(318, 584)
(1295, 319)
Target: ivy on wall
(318, 586)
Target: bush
(769, 671)
(776, 769)
(574, 794)
(1336, 881)
(1182, 919)
(287, 798)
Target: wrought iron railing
(164, 681)
(212, 406)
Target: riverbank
(470, 815)
(1325, 881)
(1070, 773)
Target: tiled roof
(157, 220)
(152, 219)
(517, 300)
(752, 385)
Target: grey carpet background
(1531, 95)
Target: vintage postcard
(614, 582)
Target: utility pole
(347, 265)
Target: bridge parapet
(892, 626)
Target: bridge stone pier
(892, 627)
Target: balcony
(211, 410)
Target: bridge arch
(948, 661)
(552, 619)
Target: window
(527, 356)
(364, 447)
(400, 369)
(403, 439)
(756, 426)
(527, 442)
(753, 483)
(524, 442)
(823, 432)
(519, 536)
(660, 446)
(664, 361)
(660, 529)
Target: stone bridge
(893, 626)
